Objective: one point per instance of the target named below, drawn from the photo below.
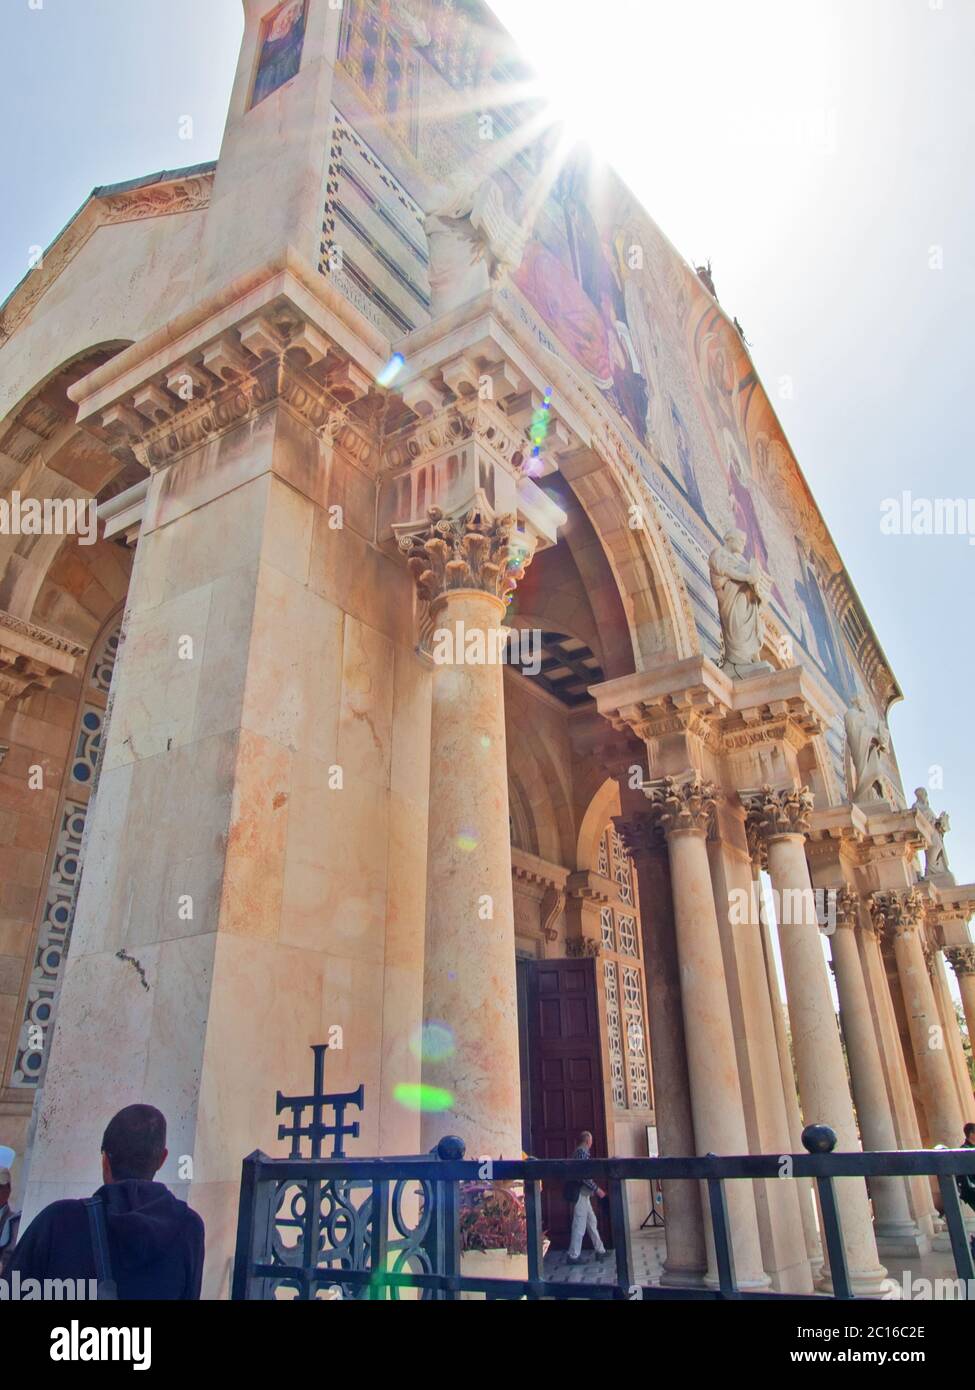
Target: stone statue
(935, 858)
(473, 243)
(742, 590)
(866, 741)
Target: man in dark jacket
(155, 1242)
(583, 1216)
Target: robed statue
(935, 858)
(473, 243)
(742, 590)
(867, 740)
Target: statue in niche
(473, 244)
(742, 590)
(867, 741)
(935, 858)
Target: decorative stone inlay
(962, 959)
(779, 810)
(898, 911)
(470, 552)
(52, 947)
(683, 803)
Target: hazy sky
(818, 151)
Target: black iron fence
(380, 1228)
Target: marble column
(896, 1231)
(901, 913)
(469, 1068)
(783, 818)
(686, 1261)
(949, 1021)
(962, 961)
(807, 1190)
(684, 808)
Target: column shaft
(939, 1092)
(823, 1088)
(469, 981)
(896, 1232)
(719, 1124)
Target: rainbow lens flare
(432, 1042)
(428, 1100)
(391, 370)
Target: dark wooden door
(564, 1072)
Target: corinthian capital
(682, 803)
(778, 811)
(473, 551)
(640, 833)
(962, 959)
(899, 911)
(846, 906)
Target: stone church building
(400, 370)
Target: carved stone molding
(898, 912)
(463, 420)
(31, 658)
(962, 959)
(683, 803)
(161, 199)
(475, 551)
(778, 811)
(581, 947)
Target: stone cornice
(696, 698)
(185, 190)
(273, 357)
(32, 658)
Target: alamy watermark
(17, 1290)
(477, 646)
(908, 515)
(49, 516)
(792, 907)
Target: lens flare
(432, 1042)
(391, 370)
(467, 842)
(428, 1100)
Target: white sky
(815, 150)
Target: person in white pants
(583, 1216)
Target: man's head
(735, 541)
(134, 1144)
(585, 1140)
(970, 1133)
(4, 1186)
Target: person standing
(151, 1243)
(580, 1194)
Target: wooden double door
(561, 1073)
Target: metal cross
(318, 1130)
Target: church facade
(458, 668)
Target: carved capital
(899, 912)
(846, 904)
(475, 551)
(640, 833)
(778, 811)
(682, 803)
(962, 959)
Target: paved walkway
(930, 1277)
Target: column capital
(475, 550)
(962, 959)
(685, 803)
(641, 833)
(898, 911)
(776, 811)
(847, 907)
